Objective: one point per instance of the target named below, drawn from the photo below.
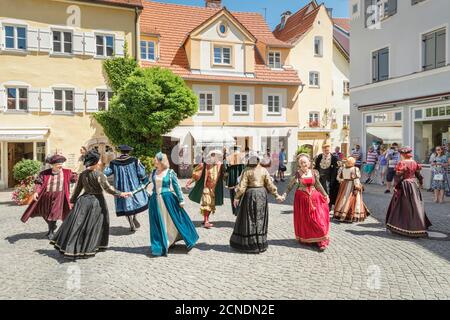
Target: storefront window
(428, 135)
(384, 128)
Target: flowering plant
(23, 191)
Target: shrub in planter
(25, 171)
(26, 168)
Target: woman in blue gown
(169, 222)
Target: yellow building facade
(51, 77)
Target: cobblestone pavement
(363, 261)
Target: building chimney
(330, 12)
(213, 3)
(284, 16)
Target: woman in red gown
(311, 213)
(406, 213)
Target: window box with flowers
(314, 124)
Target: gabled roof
(341, 34)
(223, 12)
(343, 23)
(298, 23)
(120, 3)
(173, 23)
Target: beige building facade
(51, 77)
(322, 61)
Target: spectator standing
(393, 157)
(358, 155)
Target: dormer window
(274, 60)
(222, 55)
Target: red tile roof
(173, 23)
(121, 3)
(297, 24)
(343, 23)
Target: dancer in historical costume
(129, 174)
(311, 213)
(51, 198)
(250, 229)
(234, 167)
(327, 166)
(349, 205)
(406, 213)
(208, 189)
(169, 222)
(86, 229)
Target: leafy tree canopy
(147, 104)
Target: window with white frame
(104, 97)
(63, 100)
(314, 79)
(346, 120)
(240, 103)
(346, 85)
(15, 37)
(104, 45)
(17, 98)
(206, 102)
(318, 46)
(222, 55)
(314, 119)
(274, 60)
(62, 41)
(148, 50)
(274, 104)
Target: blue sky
(274, 7)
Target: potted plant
(25, 172)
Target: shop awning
(22, 134)
(209, 137)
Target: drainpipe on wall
(137, 32)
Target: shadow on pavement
(387, 234)
(9, 204)
(216, 247)
(217, 224)
(26, 236)
(292, 243)
(54, 254)
(119, 231)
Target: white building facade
(400, 74)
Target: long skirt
(250, 229)
(349, 205)
(86, 229)
(311, 218)
(406, 212)
(169, 223)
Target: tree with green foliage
(148, 103)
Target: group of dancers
(328, 184)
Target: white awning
(210, 137)
(22, 134)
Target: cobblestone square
(363, 261)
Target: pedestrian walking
(392, 157)
(439, 177)
(371, 161)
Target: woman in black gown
(86, 229)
